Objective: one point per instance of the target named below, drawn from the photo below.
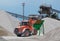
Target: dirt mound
(4, 32)
(8, 22)
(53, 35)
(50, 24)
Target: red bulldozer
(25, 28)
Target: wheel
(16, 32)
(35, 32)
(26, 33)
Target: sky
(31, 6)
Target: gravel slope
(8, 22)
(50, 24)
(53, 35)
(1, 39)
(4, 32)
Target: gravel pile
(8, 22)
(50, 24)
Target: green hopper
(38, 25)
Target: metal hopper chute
(49, 11)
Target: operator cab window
(34, 18)
(24, 23)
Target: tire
(16, 32)
(35, 32)
(26, 33)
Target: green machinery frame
(39, 26)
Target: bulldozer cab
(24, 23)
(33, 17)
